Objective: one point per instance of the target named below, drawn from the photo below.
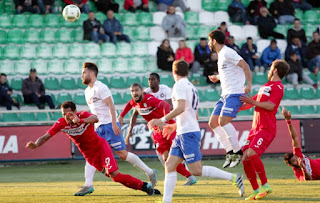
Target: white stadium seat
(282, 45)
(174, 45)
(194, 5)
(180, 14)
(221, 16)
(153, 48)
(262, 44)
(237, 32)
(157, 33)
(158, 16)
(251, 31)
(206, 18)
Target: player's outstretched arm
(249, 100)
(40, 141)
(247, 72)
(133, 121)
(287, 115)
(214, 78)
(108, 101)
(168, 130)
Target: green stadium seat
(55, 67)
(318, 109)
(52, 20)
(92, 50)
(3, 37)
(222, 5)
(139, 49)
(9, 6)
(103, 79)
(307, 110)
(130, 31)
(80, 85)
(246, 2)
(5, 21)
(19, 21)
(68, 83)
(83, 17)
(77, 35)
(40, 66)
(212, 94)
(293, 109)
(105, 65)
(108, 50)
(132, 79)
(167, 80)
(63, 96)
(76, 51)
(118, 16)
(60, 51)
(16, 83)
(67, 24)
(152, 6)
(11, 52)
(129, 19)
(248, 112)
(117, 82)
(48, 36)
(124, 49)
(127, 97)
(307, 93)
(309, 29)
(260, 78)
(198, 80)
(317, 90)
(54, 99)
(254, 91)
(208, 5)
(299, 14)
(202, 31)
(191, 18)
(92, 6)
(55, 116)
(136, 65)
(52, 83)
(150, 64)
(7, 67)
(191, 32)
(202, 97)
(27, 117)
(10, 117)
(44, 51)
(117, 98)
(100, 16)
(203, 112)
(291, 93)
(144, 81)
(22, 67)
(79, 98)
(1, 53)
(282, 29)
(120, 66)
(15, 36)
(72, 66)
(311, 16)
(28, 52)
(64, 35)
(32, 36)
(145, 19)
(36, 21)
(142, 34)
(42, 116)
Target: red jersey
(312, 166)
(264, 119)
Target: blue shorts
(116, 142)
(228, 105)
(187, 146)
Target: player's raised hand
(286, 114)
(214, 78)
(116, 129)
(247, 89)
(168, 130)
(74, 117)
(246, 98)
(31, 145)
(120, 119)
(154, 122)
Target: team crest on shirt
(265, 90)
(161, 95)
(144, 104)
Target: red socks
(128, 181)
(259, 168)
(183, 171)
(251, 174)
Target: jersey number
(195, 99)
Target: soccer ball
(71, 13)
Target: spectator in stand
(93, 30)
(163, 5)
(249, 53)
(296, 31)
(173, 24)
(46, 6)
(313, 53)
(232, 45)
(33, 91)
(5, 94)
(283, 11)
(27, 6)
(82, 4)
(270, 54)
(237, 12)
(114, 29)
(184, 53)
(211, 67)
(266, 24)
(165, 56)
(297, 46)
(295, 74)
(133, 5)
(301, 4)
(253, 10)
(223, 28)
(105, 5)
(201, 55)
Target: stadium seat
(40, 66)
(198, 80)
(158, 17)
(104, 80)
(132, 79)
(318, 109)
(299, 14)
(105, 65)
(10, 117)
(62, 97)
(117, 98)
(190, 32)
(55, 116)
(208, 5)
(27, 52)
(127, 97)
(77, 35)
(22, 67)
(220, 16)
(72, 66)
(123, 49)
(203, 112)
(11, 52)
(108, 50)
(79, 98)
(68, 83)
(202, 97)
(55, 67)
(212, 95)
(48, 36)
(67, 24)
(144, 81)
(282, 45)
(192, 44)
(139, 49)
(129, 19)
(60, 51)
(237, 32)
(42, 116)
(9, 6)
(19, 21)
(262, 44)
(118, 16)
(3, 37)
(76, 50)
(32, 36)
(92, 50)
(44, 51)
(291, 93)
(250, 31)
(307, 110)
(7, 67)
(311, 16)
(5, 21)
(293, 109)
(54, 99)
(120, 65)
(145, 19)
(16, 83)
(248, 112)
(309, 29)
(223, 4)
(80, 85)
(52, 20)
(83, 17)
(254, 91)
(307, 93)
(15, 36)
(150, 64)
(117, 82)
(202, 31)
(206, 18)
(191, 18)
(35, 20)
(64, 35)
(136, 65)
(27, 117)
(260, 78)
(157, 33)
(167, 80)
(283, 29)
(142, 34)
(153, 48)
(100, 16)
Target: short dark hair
(315, 32)
(218, 36)
(296, 19)
(249, 38)
(282, 67)
(180, 67)
(69, 104)
(137, 85)
(3, 74)
(223, 23)
(287, 158)
(273, 41)
(155, 75)
(203, 39)
(91, 66)
(230, 37)
(292, 53)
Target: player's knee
(212, 124)
(122, 155)
(169, 167)
(196, 171)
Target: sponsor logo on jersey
(145, 111)
(75, 131)
(93, 100)
(265, 90)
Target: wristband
(163, 119)
(288, 122)
(81, 121)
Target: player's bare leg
(139, 164)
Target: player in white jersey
(233, 73)
(100, 102)
(186, 144)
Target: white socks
(170, 182)
(222, 138)
(138, 163)
(232, 136)
(213, 172)
(89, 171)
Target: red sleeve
(84, 114)
(297, 152)
(298, 173)
(276, 94)
(126, 109)
(128, 4)
(165, 107)
(68, 2)
(255, 97)
(84, 1)
(145, 2)
(189, 57)
(178, 54)
(56, 127)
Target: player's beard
(138, 100)
(270, 76)
(86, 81)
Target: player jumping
(79, 128)
(233, 72)
(263, 130)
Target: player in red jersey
(303, 167)
(79, 128)
(149, 107)
(264, 127)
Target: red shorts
(162, 144)
(259, 141)
(102, 158)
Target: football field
(56, 182)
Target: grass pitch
(56, 182)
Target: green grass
(56, 182)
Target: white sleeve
(180, 91)
(104, 92)
(233, 57)
(168, 93)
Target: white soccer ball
(71, 13)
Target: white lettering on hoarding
(10, 146)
